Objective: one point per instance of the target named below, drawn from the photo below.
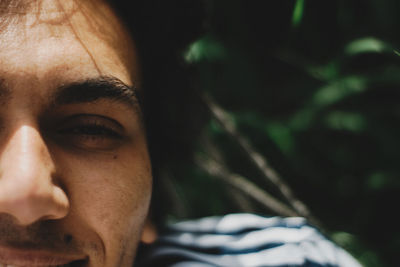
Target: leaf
(338, 90)
(367, 45)
(298, 12)
(339, 120)
(205, 49)
(281, 136)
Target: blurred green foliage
(298, 12)
(315, 87)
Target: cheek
(116, 189)
(114, 203)
(110, 193)
(117, 215)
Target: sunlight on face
(75, 174)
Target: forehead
(46, 38)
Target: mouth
(10, 257)
(77, 263)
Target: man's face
(75, 175)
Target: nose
(27, 189)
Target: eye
(89, 131)
(92, 130)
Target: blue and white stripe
(248, 240)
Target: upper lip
(37, 257)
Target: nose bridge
(26, 157)
(27, 190)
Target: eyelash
(92, 130)
(89, 132)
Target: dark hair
(162, 31)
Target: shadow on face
(75, 174)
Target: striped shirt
(243, 240)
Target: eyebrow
(93, 89)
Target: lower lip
(80, 263)
(39, 258)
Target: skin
(66, 191)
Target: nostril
(39, 203)
(27, 189)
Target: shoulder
(244, 240)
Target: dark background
(313, 86)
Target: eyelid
(84, 117)
(88, 132)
